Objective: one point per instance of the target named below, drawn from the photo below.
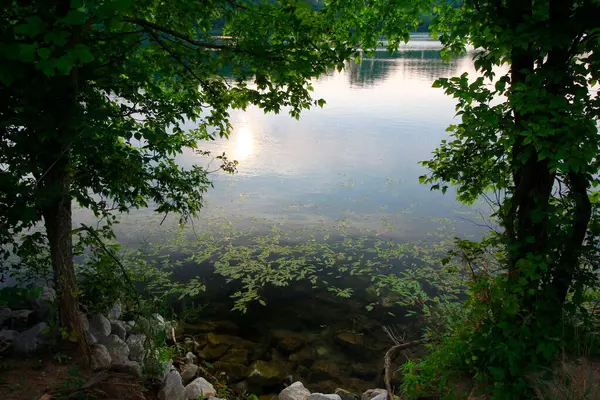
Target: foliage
(528, 138)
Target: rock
(327, 386)
(8, 335)
(118, 328)
(363, 371)
(264, 373)
(44, 304)
(84, 321)
(325, 370)
(241, 387)
(32, 339)
(288, 341)
(374, 393)
(188, 373)
(136, 347)
(212, 326)
(172, 389)
(163, 370)
(199, 387)
(100, 357)
(346, 395)
(20, 320)
(305, 356)
(231, 341)
(236, 356)
(350, 339)
(191, 345)
(115, 311)
(321, 396)
(117, 348)
(91, 339)
(215, 398)
(323, 352)
(213, 352)
(296, 391)
(133, 368)
(99, 326)
(190, 358)
(4, 315)
(232, 371)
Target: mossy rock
(363, 371)
(305, 356)
(232, 372)
(324, 386)
(350, 339)
(229, 340)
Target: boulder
(163, 370)
(199, 387)
(100, 358)
(118, 328)
(32, 339)
(288, 341)
(136, 347)
(296, 391)
(117, 348)
(190, 358)
(133, 368)
(325, 370)
(99, 326)
(84, 321)
(8, 335)
(346, 394)
(190, 345)
(4, 315)
(305, 356)
(20, 320)
(321, 396)
(173, 388)
(374, 393)
(91, 339)
(188, 373)
(264, 373)
(44, 304)
(241, 387)
(236, 356)
(115, 311)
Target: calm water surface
(355, 160)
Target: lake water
(355, 161)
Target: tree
(94, 96)
(528, 133)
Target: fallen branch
(387, 363)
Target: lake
(343, 180)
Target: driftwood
(387, 363)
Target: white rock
(190, 358)
(99, 326)
(118, 328)
(115, 311)
(199, 386)
(188, 373)
(296, 391)
(173, 388)
(321, 396)
(117, 348)
(136, 347)
(32, 339)
(381, 396)
(372, 393)
(100, 357)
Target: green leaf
(44, 53)
(27, 52)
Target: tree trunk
(58, 223)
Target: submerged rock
(234, 372)
(296, 391)
(325, 370)
(199, 387)
(213, 352)
(173, 388)
(350, 339)
(265, 374)
(236, 356)
(363, 371)
(305, 356)
(289, 341)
